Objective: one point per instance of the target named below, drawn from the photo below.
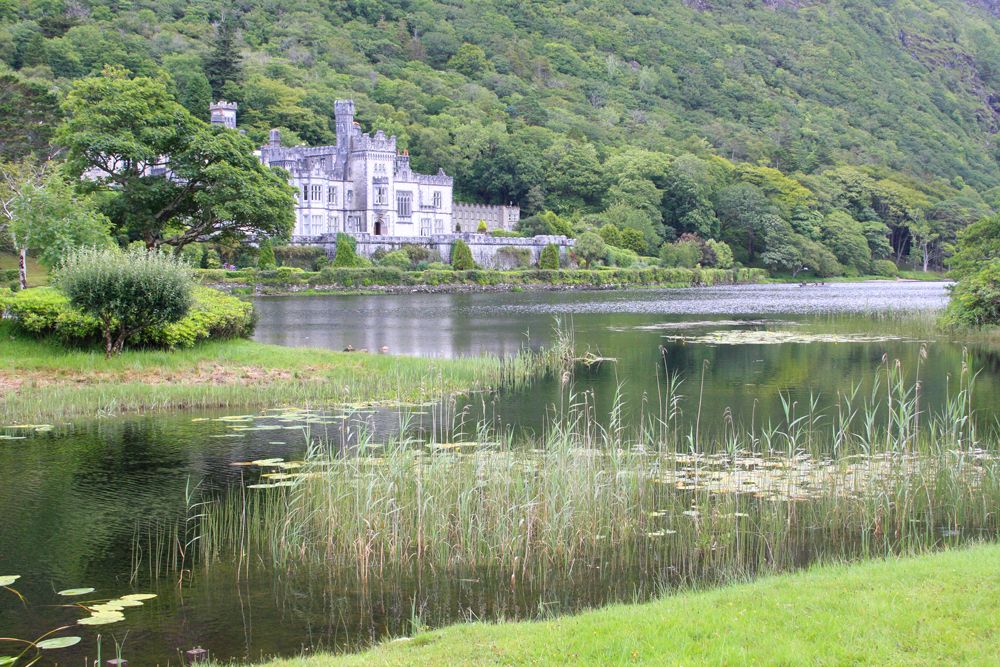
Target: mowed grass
(42, 379)
(928, 610)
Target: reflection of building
(364, 185)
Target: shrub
(483, 227)
(265, 255)
(396, 258)
(975, 299)
(590, 247)
(683, 254)
(361, 276)
(346, 256)
(308, 258)
(127, 292)
(885, 267)
(723, 253)
(213, 314)
(437, 266)
(611, 235)
(461, 256)
(419, 253)
(507, 234)
(634, 240)
(549, 259)
(621, 257)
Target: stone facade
(467, 217)
(364, 185)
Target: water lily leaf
(122, 603)
(58, 642)
(267, 462)
(102, 618)
(138, 597)
(76, 591)
(8, 579)
(107, 606)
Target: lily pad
(121, 602)
(138, 597)
(58, 642)
(76, 591)
(102, 618)
(8, 579)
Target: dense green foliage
(127, 293)
(790, 131)
(45, 311)
(549, 258)
(345, 255)
(461, 256)
(392, 276)
(975, 299)
(125, 132)
(265, 255)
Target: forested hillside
(828, 133)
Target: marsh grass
(664, 503)
(47, 380)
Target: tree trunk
(927, 256)
(22, 268)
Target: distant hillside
(567, 105)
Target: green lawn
(930, 610)
(38, 275)
(43, 380)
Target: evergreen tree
(461, 256)
(265, 255)
(549, 258)
(223, 63)
(345, 256)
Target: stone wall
(486, 250)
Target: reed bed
(668, 500)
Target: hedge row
(378, 276)
(46, 311)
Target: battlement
(223, 113)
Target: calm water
(74, 499)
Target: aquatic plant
(683, 503)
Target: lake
(99, 502)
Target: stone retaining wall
(486, 250)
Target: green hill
(701, 115)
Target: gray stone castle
(363, 185)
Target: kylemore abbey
(364, 185)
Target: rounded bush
(885, 267)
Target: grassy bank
(933, 609)
(334, 279)
(922, 276)
(44, 380)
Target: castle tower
(224, 114)
(344, 113)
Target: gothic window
(438, 226)
(332, 228)
(331, 195)
(319, 224)
(425, 226)
(381, 195)
(437, 200)
(317, 193)
(349, 199)
(354, 223)
(404, 204)
(305, 193)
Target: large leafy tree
(170, 178)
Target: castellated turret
(223, 113)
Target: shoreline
(851, 614)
